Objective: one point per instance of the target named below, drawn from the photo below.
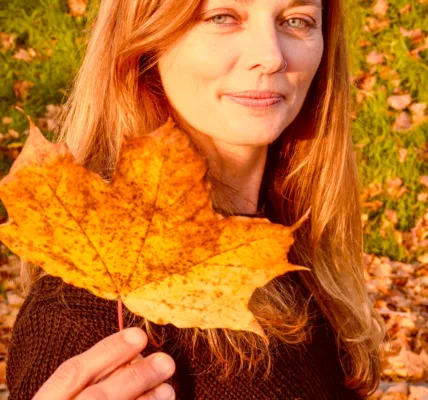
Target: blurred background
(42, 43)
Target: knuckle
(106, 345)
(112, 343)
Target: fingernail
(133, 336)
(162, 364)
(164, 392)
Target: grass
(372, 127)
(45, 26)
(59, 41)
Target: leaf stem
(119, 314)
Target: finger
(134, 380)
(163, 391)
(139, 357)
(73, 375)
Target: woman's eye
(217, 16)
(301, 23)
(293, 23)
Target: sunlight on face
(240, 45)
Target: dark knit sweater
(53, 326)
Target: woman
(150, 59)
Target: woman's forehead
(287, 3)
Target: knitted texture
(58, 321)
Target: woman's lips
(256, 103)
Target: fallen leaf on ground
(375, 58)
(25, 55)
(7, 41)
(403, 122)
(22, 89)
(77, 7)
(6, 120)
(394, 188)
(381, 7)
(402, 155)
(416, 34)
(408, 364)
(399, 102)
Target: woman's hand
(100, 374)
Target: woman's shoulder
(310, 374)
(52, 293)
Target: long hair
(117, 94)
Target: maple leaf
(149, 238)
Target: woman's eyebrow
(293, 3)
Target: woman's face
(242, 48)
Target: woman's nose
(264, 50)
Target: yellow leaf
(149, 237)
(14, 145)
